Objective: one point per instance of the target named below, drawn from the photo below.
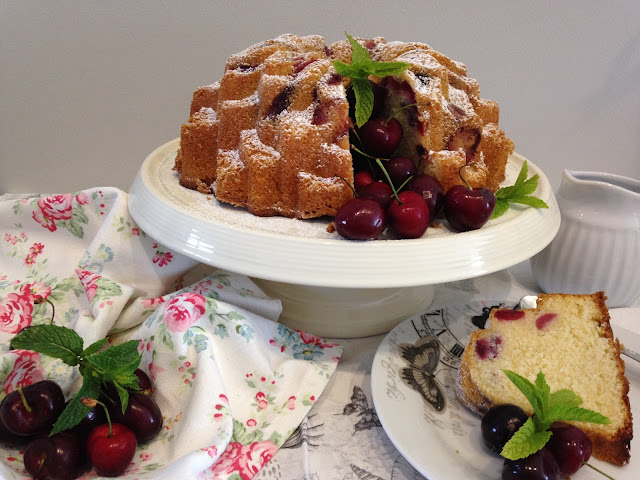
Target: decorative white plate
(301, 252)
(436, 434)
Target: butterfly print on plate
(423, 358)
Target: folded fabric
(231, 382)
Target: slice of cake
(569, 339)
(273, 135)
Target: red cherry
(361, 179)
(570, 446)
(400, 169)
(379, 192)
(360, 219)
(409, 218)
(111, 455)
(467, 209)
(41, 406)
(431, 190)
(381, 137)
(59, 456)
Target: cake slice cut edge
(567, 337)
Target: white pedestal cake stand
(330, 286)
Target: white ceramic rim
(165, 211)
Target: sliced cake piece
(569, 339)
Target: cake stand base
(346, 312)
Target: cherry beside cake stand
(330, 286)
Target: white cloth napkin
(232, 383)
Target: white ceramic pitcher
(598, 244)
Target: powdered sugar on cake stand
(328, 285)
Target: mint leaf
(95, 347)
(51, 340)
(520, 192)
(383, 69)
(570, 413)
(526, 387)
(76, 410)
(525, 441)
(359, 71)
(115, 358)
(529, 200)
(359, 54)
(501, 207)
(364, 100)
(564, 396)
(123, 394)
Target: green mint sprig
(359, 71)
(559, 406)
(519, 192)
(97, 365)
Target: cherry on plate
(360, 219)
(408, 215)
(468, 209)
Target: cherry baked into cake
(277, 134)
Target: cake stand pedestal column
(346, 312)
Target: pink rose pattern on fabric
(57, 207)
(60, 208)
(89, 282)
(243, 460)
(183, 310)
(26, 370)
(59, 212)
(16, 310)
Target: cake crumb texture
(569, 339)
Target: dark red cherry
(143, 380)
(11, 439)
(400, 169)
(379, 192)
(570, 446)
(360, 219)
(362, 179)
(142, 416)
(408, 217)
(36, 413)
(467, 209)
(431, 190)
(499, 424)
(94, 417)
(380, 137)
(538, 466)
(111, 455)
(58, 457)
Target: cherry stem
(24, 399)
(355, 194)
(393, 189)
(53, 310)
(598, 470)
(464, 179)
(89, 402)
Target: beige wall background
(88, 89)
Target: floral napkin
(231, 382)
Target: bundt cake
(273, 135)
(569, 339)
